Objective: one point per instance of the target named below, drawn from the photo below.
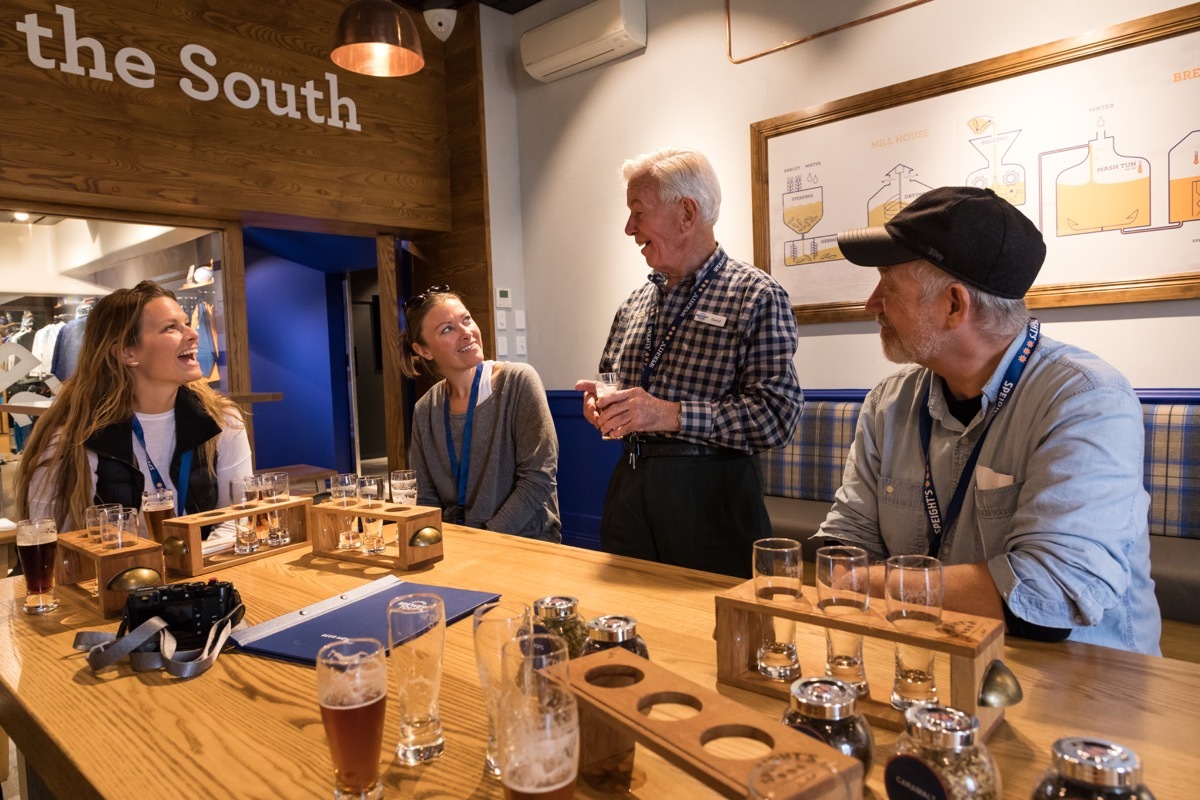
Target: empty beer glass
(537, 721)
(370, 491)
(494, 625)
(843, 590)
(352, 692)
(404, 487)
(417, 626)
(96, 518)
(274, 487)
(914, 605)
(777, 571)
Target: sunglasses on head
(417, 300)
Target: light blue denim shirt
(1067, 541)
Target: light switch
(502, 320)
(520, 320)
(501, 345)
(520, 345)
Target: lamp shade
(377, 37)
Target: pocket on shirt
(994, 509)
(902, 520)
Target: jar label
(910, 778)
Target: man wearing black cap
(1015, 459)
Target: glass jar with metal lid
(937, 756)
(824, 708)
(614, 630)
(1092, 769)
(559, 615)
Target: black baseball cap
(972, 234)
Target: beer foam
(31, 535)
(338, 687)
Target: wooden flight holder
(971, 642)
(82, 559)
(193, 562)
(617, 692)
(400, 525)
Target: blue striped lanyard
(459, 469)
(933, 513)
(650, 361)
(185, 469)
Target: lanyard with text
(650, 362)
(937, 522)
(185, 469)
(460, 468)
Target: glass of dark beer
(37, 546)
(157, 505)
(352, 692)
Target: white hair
(998, 317)
(680, 172)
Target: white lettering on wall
(135, 68)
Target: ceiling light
(377, 37)
(20, 216)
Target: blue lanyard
(650, 361)
(933, 513)
(185, 469)
(460, 468)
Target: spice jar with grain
(1083, 768)
(824, 708)
(937, 755)
(614, 630)
(559, 615)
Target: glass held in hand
(606, 384)
(404, 487)
(417, 627)
(37, 548)
(494, 625)
(777, 571)
(352, 693)
(844, 590)
(914, 605)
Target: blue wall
(297, 347)
(585, 462)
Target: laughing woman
(483, 443)
(136, 414)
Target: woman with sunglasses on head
(135, 414)
(483, 443)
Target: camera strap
(106, 649)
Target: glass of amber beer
(352, 692)
(37, 545)
(157, 505)
(537, 722)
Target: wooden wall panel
(86, 140)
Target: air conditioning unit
(592, 35)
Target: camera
(189, 609)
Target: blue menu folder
(355, 614)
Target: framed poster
(1095, 138)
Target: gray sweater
(512, 475)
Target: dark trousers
(702, 512)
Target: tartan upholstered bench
(801, 477)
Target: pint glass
(37, 546)
(352, 692)
(157, 505)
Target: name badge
(715, 320)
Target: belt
(663, 448)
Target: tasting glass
(157, 505)
(404, 487)
(789, 775)
(417, 627)
(123, 531)
(274, 486)
(352, 693)
(537, 721)
(370, 490)
(343, 488)
(606, 384)
(494, 625)
(37, 548)
(243, 493)
(843, 590)
(914, 605)
(777, 573)
(97, 517)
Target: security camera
(441, 21)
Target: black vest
(119, 479)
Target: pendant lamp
(377, 37)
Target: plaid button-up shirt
(730, 364)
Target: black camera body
(189, 609)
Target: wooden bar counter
(251, 728)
